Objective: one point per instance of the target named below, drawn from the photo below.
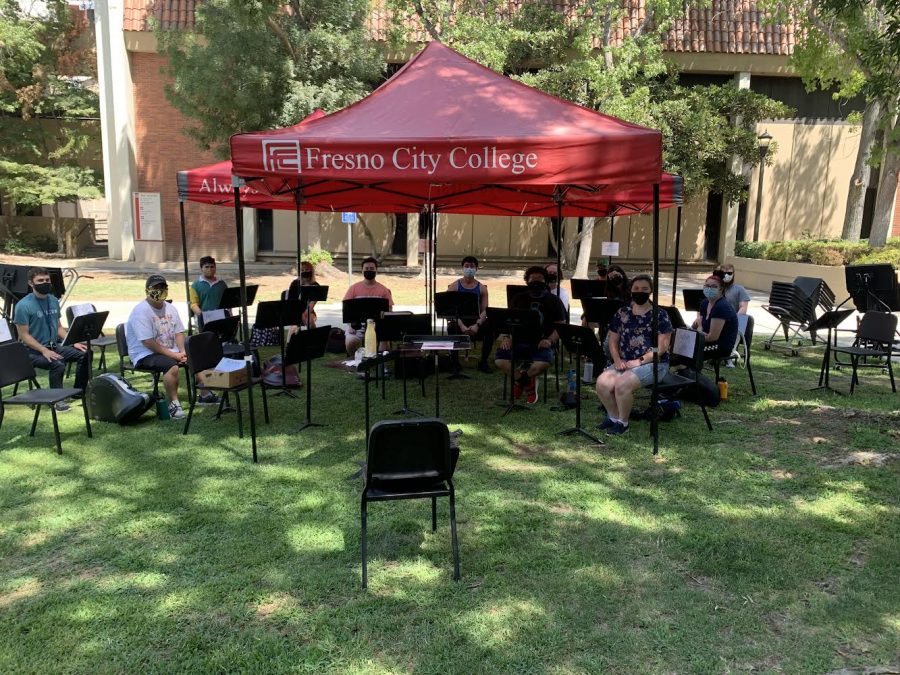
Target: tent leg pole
(242, 273)
(434, 234)
(559, 245)
(654, 396)
(677, 255)
(297, 201)
(612, 225)
(184, 255)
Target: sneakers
(208, 398)
(62, 406)
(484, 368)
(531, 394)
(175, 411)
(729, 363)
(617, 429)
(606, 424)
(520, 384)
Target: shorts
(157, 363)
(525, 352)
(644, 373)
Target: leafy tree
(855, 45)
(258, 64)
(48, 127)
(589, 58)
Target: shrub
(316, 255)
(819, 252)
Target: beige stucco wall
(805, 188)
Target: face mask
(537, 287)
(640, 297)
(551, 278)
(711, 293)
(614, 281)
(158, 294)
(469, 272)
(306, 275)
(729, 277)
(44, 289)
(369, 274)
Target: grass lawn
(770, 544)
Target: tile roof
(726, 27)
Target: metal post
(558, 198)
(677, 254)
(764, 140)
(187, 281)
(245, 323)
(612, 224)
(654, 322)
(297, 201)
(349, 254)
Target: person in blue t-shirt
(717, 319)
(37, 320)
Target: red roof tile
(726, 27)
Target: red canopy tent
(447, 134)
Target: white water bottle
(588, 377)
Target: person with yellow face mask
(155, 337)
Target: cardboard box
(225, 379)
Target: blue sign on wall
(348, 217)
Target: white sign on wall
(147, 216)
(610, 248)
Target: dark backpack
(336, 341)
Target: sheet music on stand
(214, 315)
(684, 342)
(81, 309)
(5, 333)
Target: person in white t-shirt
(554, 281)
(155, 335)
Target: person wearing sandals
(630, 347)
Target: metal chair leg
(87, 417)
(37, 413)
(265, 405)
(706, 417)
(854, 363)
(453, 538)
(190, 416)
(434, 514)
(363, 514)
(55, 430)
(237, 400)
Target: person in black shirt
(307, 278)
(532, 359)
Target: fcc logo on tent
(281, 156)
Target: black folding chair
(685, 352)
(15, 367)
(874, 339)
(204, 351)
(409, 459)
(122, 348)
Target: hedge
(833, 252)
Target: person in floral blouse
(630, 348)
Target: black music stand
(512, 290)
(453, 306)
(310, 294)
(588, 288)
(85, 328)
(437, 344)
(365, 366)
(359, 310)
(872, 287)
(582, 341)
(225, 329)
(278, 314)
(231, 298)
(829, 321)
(395, 327)
(523, 326)
(692, 298)
(306, 345)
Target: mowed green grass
(740, 549)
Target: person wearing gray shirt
(736, 294)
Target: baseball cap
(156, 280)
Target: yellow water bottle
(371, 342)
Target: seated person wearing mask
(473, 326)
(554, 281)
(716, 319)
(532, 359)
(617, 284)
(630, 344)
(206, 292)
(737, 295)
(307, 278)
(367, 288)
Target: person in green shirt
(207, 290)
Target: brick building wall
(162, 150)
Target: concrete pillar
(728, 227)
(116, 126)
(412, 240)
(250, 238)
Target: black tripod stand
(524, 329)
(395, 327)
(357, 312)
(582, 341)
(829, 321)
(453, 306)
(85, 328)
(306, 345)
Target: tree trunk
(57, 229)
(584, 249)
(859, 181)
(887, 193)
(366, 231)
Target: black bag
(110, 398)
(336, 341)
(706, 391)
